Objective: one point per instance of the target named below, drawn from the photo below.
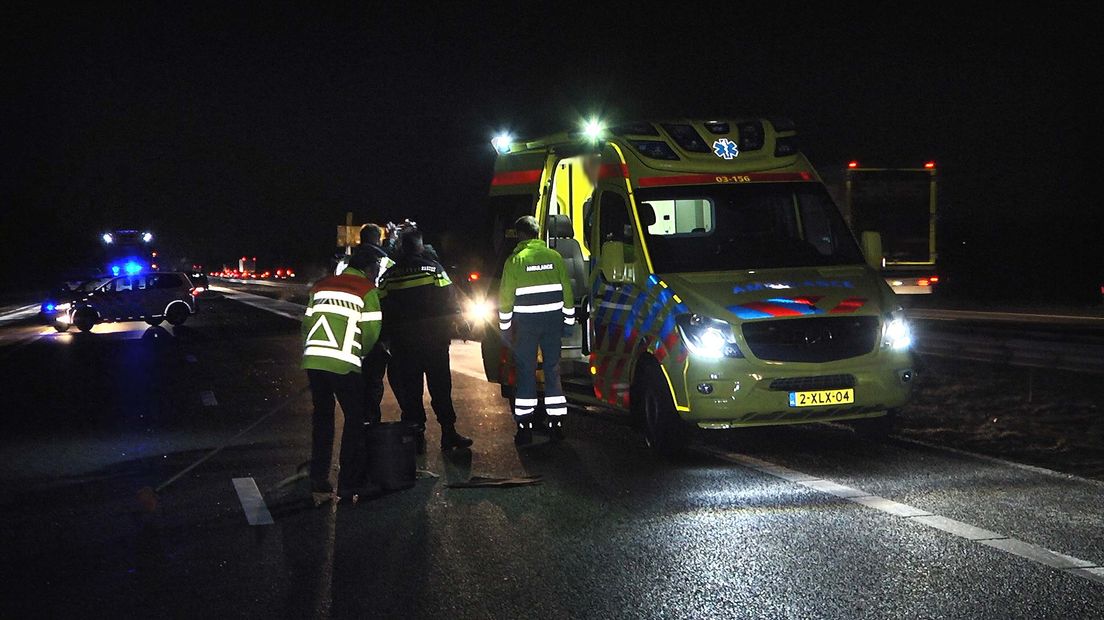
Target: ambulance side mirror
(612, 264)
(872, 249)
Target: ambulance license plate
(820, 398)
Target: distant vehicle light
(933, 279)
(479, 311)
(107, 238)
(853, 164)
(147, 237)
(923, 282)
(473, 276)
(153, 266)
(929, 165)
(502, 142)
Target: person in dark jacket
(419, 305)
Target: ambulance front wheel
(655, 411)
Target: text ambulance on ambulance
(716, 283)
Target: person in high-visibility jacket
(376, 358)
(342, 321)
(535, 309)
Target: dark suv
(150, 297)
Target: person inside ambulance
(536, 308)
(342, 320)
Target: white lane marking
(1037, 553)
(21, 312)
(958, 528)
(208, 398)
(1085, 569)
(1094, 574)
(256, 512)
(191, 359)
(279, 307)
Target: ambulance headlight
(708, 338)
(502, 142)
(478, 311)
(897, 334)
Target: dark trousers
(375, 366)
(532, 331)
(349, 391)
(418, 353)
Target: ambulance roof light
(502, 142)
(593, 129)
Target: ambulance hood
(760, 294)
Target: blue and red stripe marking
(792, 306)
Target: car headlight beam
(707, 337)
(897, 334)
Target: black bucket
(391, 455)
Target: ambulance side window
(613, 219)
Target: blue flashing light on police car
(132, 267)
(49, 307)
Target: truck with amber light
(717, 283)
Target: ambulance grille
(821, 339)
(824, 382)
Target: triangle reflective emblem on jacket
(323, 325)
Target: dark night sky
(230, 130)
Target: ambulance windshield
(746, 226)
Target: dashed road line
(1075, 566)
(208, 398)
(252, 502)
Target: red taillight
(923, 282)
(473, 276)
(934, 279)
(929, 165)
(853, 164)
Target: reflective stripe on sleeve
(371, 316)
(538, 308)
(569, 320)
(505, 316)
(539, 288)
(569, 311)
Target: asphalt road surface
(801, 522)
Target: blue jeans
(543, 330)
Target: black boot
(524, 434)
(555, 429)
(418, 431)
(451, 439)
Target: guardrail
(1086, 357)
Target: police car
(150, 297)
